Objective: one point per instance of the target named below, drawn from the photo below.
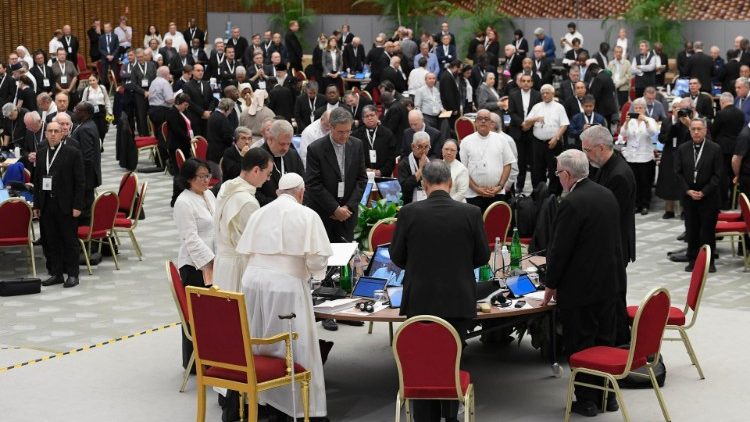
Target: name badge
(46, 183)
(262, 85)
(45, 83)
(144, 83)
(421, 195)
(373, 156)
(63, 79)
(340, 192)
(70, 50)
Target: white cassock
(287, 244)
(234, 205)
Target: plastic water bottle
(357, 270)
(345, 281)
(497, 251)
(515, 251)
(506, 257)
(17, 152)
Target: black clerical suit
(141, 77)
(545, 68)
(226, 73)
(395, 76)
(378, 60)
(294, 50)
(395, 117)
(281, 100)
(289, 163)
(701, 66)
(304, 108)
(219, 135)
(231, 163)
(384, 145)
(322, 178)
(240, 45)
(354, 59)
(585, 265)
(109, 44)
(71, 46)
(445, 288)
(178, 63)
(44, 78)
(699, 168)
(436, 142)
(201, 99)
(407, 180)
(523, 138)
(602, 87)
(56, 205)
(190, 33)
(87, 136)
(356, 111)
(725, 128)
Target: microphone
(523, 258)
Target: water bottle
(345, 281)
(515, 251)
(17, 152)
(506, 258)
(357, 265)
(497, 251)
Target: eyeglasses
(203, 176)
(484, 119)
(557, 172)
(421, 147)
(697, 129)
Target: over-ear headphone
(367, 306)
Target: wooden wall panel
(32, 22)
(323, 7)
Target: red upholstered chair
(428, 353)
(224, 358)
(613, 364)
(179, 159)
(730, 229)
(180, 300)
(497, 222)
(623, 114)
(128, 224)
(16, 214)
(149, 143)
(395, 168)
(678, 317)
(83, 70)
(103, 214)
(381, 233)
(464, 127)
(375, 96)
(199, 147)
(126, 194)
(164, 132)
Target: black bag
(20, 286)
(641, 382)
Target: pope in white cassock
(287, 244)
(234, 205)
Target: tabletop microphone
(523, 258)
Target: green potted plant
(657, 21)
(484, 13)
(368, 217)
(409, 13)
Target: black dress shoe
(689, 268)
(353, 323)
(644, 211)
(679, 258)
(330, 325)
(638, 210)
(55, 279)
(38, 242)
(712, 268)
(612, 405)
(682, 236)
(72, 281)
(667, 215)
(585, 408)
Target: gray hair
(280, 128)
(420, 136)
(8, 109)
(339, 116)
(598, 135)
(639, 102)
(743, 80)
(452, 141)
(487, 76)
(726, 97)
(698, 45)
(368, 108)
(163, 71)
(547, 87)
(240, 70)
(436, 173)
(226, 104)
(62, 116)
(242, 130)
(311, 86)
(32, 117)
(498, 123)
(574, 162)
(43, 98)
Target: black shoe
(330, 325)
(55, 279)
(682, 236)
(689, 268)
(667, 215)
(679, 258)
(712, 268)
(638, 210)
(612, 405)
(325, 349)
(644, 211)
(72, 281)
(353, 323)
(585, 408)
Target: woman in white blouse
(97, 95)
(459, 173)
(636, 134)
(151, 34)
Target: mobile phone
(520, 304)
(633, 115)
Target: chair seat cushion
(14, 241)
(605, 359)
(123, 223)
(121, 214)
(730, 226)
(730, 216)
(83, 233)
(427, 392)
(266, 368)
(676, 316)
(145, 141)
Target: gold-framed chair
(17, 230)
(180, 300)
(380, 234)
(128, 224)
(100, 228)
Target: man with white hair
(417, 124)
(497, 121)
(395, 74)
(432, 63)
(33, 140)
(353, 56)
(446, 51)
(427, 100)
(546, 42)
(66, 125)
(285, 159)
(549, 122)
(160, 98)
(410, 169)
(512, 62)
(217, 58)
(314, 131)
(286, 244)
(178, 62)
(143, 73)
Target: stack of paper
(336, 305)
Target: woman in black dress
(667, 185)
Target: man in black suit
(542, 67)
(306, 104)
(285, 159)
(332, 100)
(168, 52)
(417, 124)
(42, 74)
(614, 173)
(445, 52)
(395, 74)
(192, 32)
(449, 92)
(238, 42)
(219, 132)
(567, 87)
(227, 68)
(730, 72)
(58, 201)
(281, 97)
(293, 46)
(87, 136)
(602, 87)
(574, 105)
(700, 66)
(445, 288)
(143, 73)
(180, 61)
(354, 56)
(71, 45)
(395, 114)
(202, 101)
(7, 86)
(725, 128)
(216, 59)
(335, 177)
(277, 47)
(585, 268)
(259, 74)
(356, 102)
(703, 102)
(520, 103)
(445, 31)
(699, 171)
(197, 52)
(410, 168)
(380, 144)
(378, 59)
(683, 57)
(108, 46)
(231, 161)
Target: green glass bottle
(345, 281)
(515, 251)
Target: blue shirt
(432, 63)
(547, 44)
(579, 120)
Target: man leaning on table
(439, 281)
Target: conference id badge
(144, 83)
(45, 83)
(70, 50)
(421, 195)
(47, 183)
(63, 79)
(340, 191)
(262, 85)
(373, 156)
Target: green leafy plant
(485, 13)
(656, 21)
(409, 13)
(368, 217)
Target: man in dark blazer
(445, 52)
(192, 32)
(260, 74)
(285, 159)
(219, 132)
(356, 102)
(567, 86)
(332, 100)
(417, 124)
(108, 46)
(584, 268)
(614, 173)
(58, 201)
(202, 101)
(742, 100)
(354, 56)
(216, 59)
(445, 288)
(281, 97)
(395, 115)
(71, 45)
(410, 168)
(231, 161)
(335, 177)
(179, 61)
(449, 92)
(518, 113)
(378, 59)
(683, 57)
(395, 74)
(602, 87)
(725, 128)
(143, 73)
(87, 136)
(238, 42)
(293, 46)
(306, 104)
(542, 67)
(701, 66)
(197, 52)
(7, 86)
(730, 72)
(380, 144)
(227, 69)
(42, 74)
(699, 171)
(703, 102)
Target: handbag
(20, 286)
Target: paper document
(342, 253)
(539, 295)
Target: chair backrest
(26, 175)
(178, 294)
(428, 352)
(104, 211)
(648, 325)
(497, 221)
(381, 233)
(81, 62)
(375, 96)
(395, 167)
(745, 211)
(164, 130)
(15, 213)
(221, 334)
(127, 191)
(698, 277)
(139, 205)
(366, 94)
(179, 159)
(199, 146)
(464, 127)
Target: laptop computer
(390, 190)
(366, 194)
(381, 266)
(366, 287)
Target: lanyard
(184, 61)
(231, 67)
(580, 106)
(192, 33)
(371, 140)
(312, 105)
(219, 58)
(62, 67)
(283, 171)
(49, 163)
(143, 68)
(589, 121)
(650, 111)
(5, 75)
(42, 69)
(518, 44)
(697, 159)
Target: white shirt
(416, 78)
(460, 177)
(525, 101)
(637, 135)
(54, 44)
(99, 98)
(485, 157)
(194, 217)
(623, 42)
(427, 100)
(312, 133)
(177, 40)
(569, 38)
(554, 118)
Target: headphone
(367, 306)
